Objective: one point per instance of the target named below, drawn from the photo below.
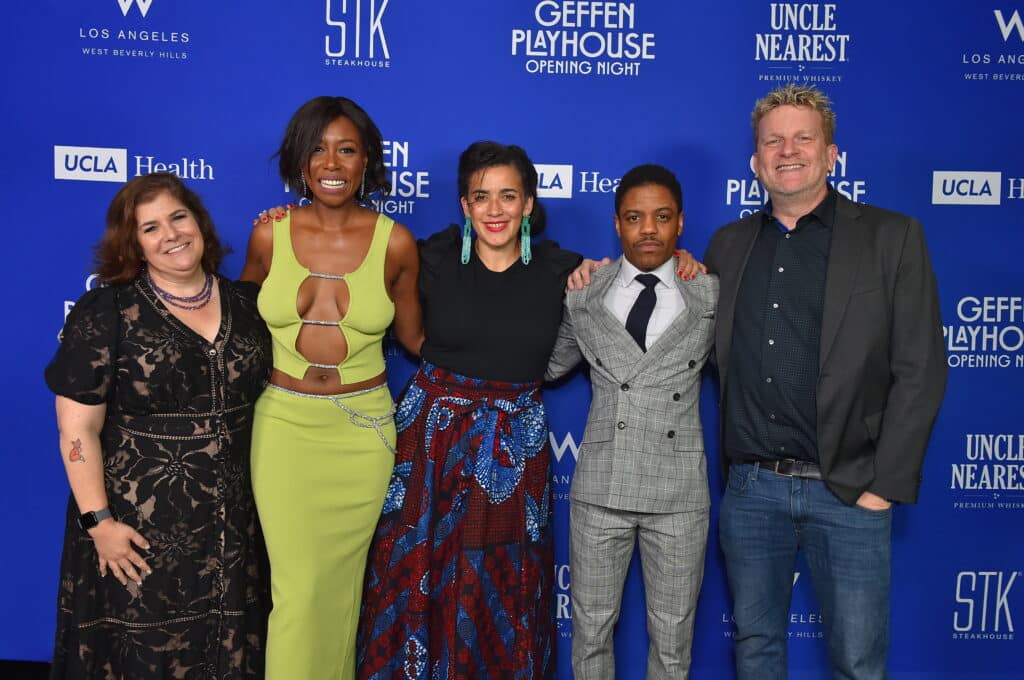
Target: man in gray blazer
(641, 472)
(832, 368)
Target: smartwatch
(88, 520)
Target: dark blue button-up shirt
(771, 409)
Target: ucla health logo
(355, 34)
(553, 181)
(570, 38)
(803, 44)
(129, 41)
(103, 164)
(984, 604)
(961, 187)
(1001, 56)
(90, 163)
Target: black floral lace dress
(176, 465)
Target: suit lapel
(609, 325)
(843, 262)
(729, 281)
(683, 322)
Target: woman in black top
(459, 579)
(156, 377)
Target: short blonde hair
(796, 95)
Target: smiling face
(496, 203)
(334, 170)
(169, 237)
(648, 223)
(792, 158)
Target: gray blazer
(882, 362)
(643, 448)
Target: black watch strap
(88, 520)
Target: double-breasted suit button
(671, 434)
(692, 363)
(625, 387)
(621, 425)
(676, 397)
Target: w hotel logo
(91, 164)
(143, 5)
(1008, 25)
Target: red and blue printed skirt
(459, 579)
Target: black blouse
(491, 325)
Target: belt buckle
(779, 463)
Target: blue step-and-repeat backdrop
(928, 94)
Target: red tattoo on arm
(76, 452)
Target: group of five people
(415, 541)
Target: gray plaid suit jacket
(643, 448)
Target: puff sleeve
(561, 262)
(83, 367)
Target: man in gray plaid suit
(641, 472)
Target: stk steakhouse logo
(982, 609)
(128, 41)
(102, 164)
(355, 36)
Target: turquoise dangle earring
(524, 240)
(467, 240)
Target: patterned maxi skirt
(459, 580)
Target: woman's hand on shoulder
(261, 244)
(113, 541)
(580, 277)
(276, 213)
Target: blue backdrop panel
(928, 97)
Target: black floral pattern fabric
(176, 466)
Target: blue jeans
(765, 518)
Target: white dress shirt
(623, 292)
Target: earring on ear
(524, 240)
(467, 240)
(362, 186)
(303, 200)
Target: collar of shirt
(824, 213)
(628, 272)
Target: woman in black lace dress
(162, 574)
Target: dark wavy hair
(118, 254)
(642, 175)
(307, 126)
(485, 154)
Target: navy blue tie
(640, 314)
